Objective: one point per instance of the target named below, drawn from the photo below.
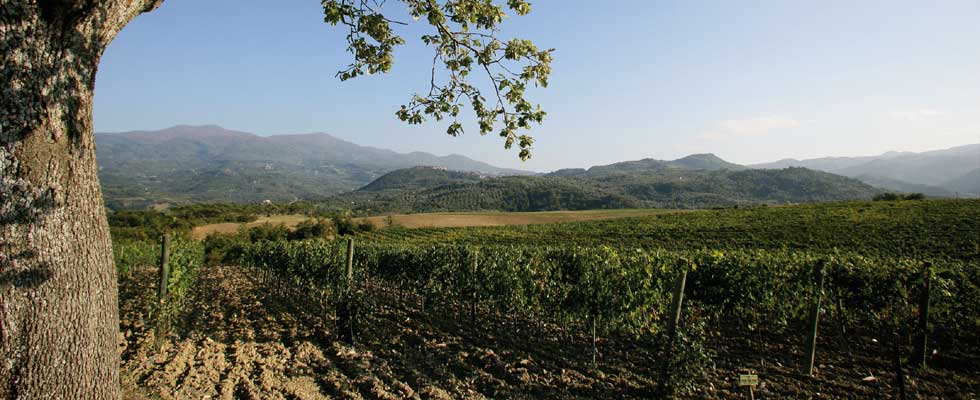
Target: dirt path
(241, 339)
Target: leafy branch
(465, 39)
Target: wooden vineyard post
(349, 275)
(674, 319)
(473, 289)
(922, 340)
(595, 347)
(811, 351)
(346, 312)
(162, 292)
(594, 314)
(899, 369)
(842, 317)
(676, 304)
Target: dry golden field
(455, 219)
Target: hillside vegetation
(192, 164)
(635, 184)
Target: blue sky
(751, 81)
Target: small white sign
(748, 380)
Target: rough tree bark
(58, 304)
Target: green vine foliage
(464, 39)
(129, 255)
(628, 290)
(686, 357)
(186, 259)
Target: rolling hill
(186, 164)
(420, 177)
(635, 184)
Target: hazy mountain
(968, 183)
(209, 163)
(927, 168)
(902, 186)
(827, 163)
(932, 171)
(642, 183)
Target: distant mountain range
(208, 163)
(187, 164)
(938, 173)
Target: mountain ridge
(206, 163)
(942, 172)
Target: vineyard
(629, 289)
(754, 284)
(916, 229)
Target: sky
(751, 81)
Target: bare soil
(244, 336)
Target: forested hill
(418, 178)
(643, 183)
(708, 162)
(187, 164)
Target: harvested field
(440, 220)
(290, 221)
(447, 220)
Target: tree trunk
(58, 303)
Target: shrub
(268, 231)
(365, 226)
(344, 225)
(312, 229)
(897, 197)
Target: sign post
(750, 380)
